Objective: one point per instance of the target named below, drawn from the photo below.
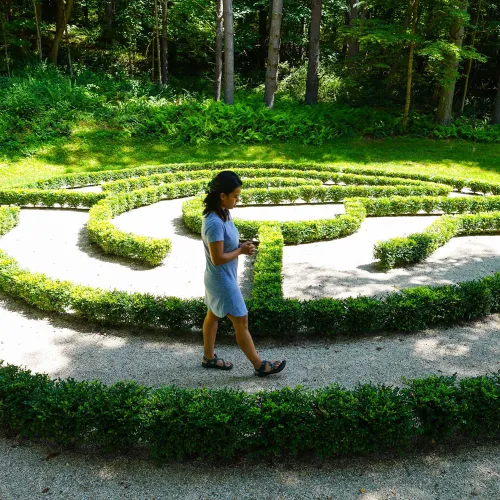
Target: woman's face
(229, 200)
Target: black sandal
(275, 368)
(212, 363)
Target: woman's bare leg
(210, 326)
(245, 340)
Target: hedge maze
(28, 403)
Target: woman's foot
(216, 362)
(270, 368)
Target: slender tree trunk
(38, 17)
(5, 46)
(70, 64)
(447, 92)
(496, 109)
(273, 54)
(228, 52)
(157, 37)
(312, 82)
(469, 64)
(352, 44)
(64, 8)
(164, 44)
(219, 34)
(414, 18)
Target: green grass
(94, 149)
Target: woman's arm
(219, 257)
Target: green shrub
(9, 218)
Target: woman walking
(222, 293)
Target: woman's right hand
(247, 248)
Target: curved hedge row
(175, 423)
(92, 178)
(9, 218)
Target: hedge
(92, 178)
(416, 247)
(175, 423)
(37, 197)
(408, 310)
(131, 184)
(294, 232)
(9, 218)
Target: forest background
(248, 71)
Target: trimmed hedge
(9, 218)
(268, 278)
(416, 247)
(294, 232)
(37, 197)
(175, 423)
(270, 174)
(408, 310)
(92, 178)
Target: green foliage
(9, 218)
(48, 198)
(174, 423)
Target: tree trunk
(70, 64)
(414, 18)
(63, 15)
(157, 36)
(219, 33)
(38, 18)
(164, 44)
(273, 54)
(469, 64)
(496, 110)
(312, 82)
(228, 52)
(443, 115)
(352, 44)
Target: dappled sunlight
(434, 349)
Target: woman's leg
(245, 340)
(210, 326)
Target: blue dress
(222, 293)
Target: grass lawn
(91, 150)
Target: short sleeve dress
(222, 293)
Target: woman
(222, 293)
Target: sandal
(212, 363)
(275, 368)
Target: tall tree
(63, 14)
(312, 82)
(5, 44)
(157, 36)
(273, 54)
(451, 60)
(164, 44)
(352, 45)
(413, 15)
(228, 52)
(218, 49)
(38, 18)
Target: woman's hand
(247, 248)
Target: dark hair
(224, 182)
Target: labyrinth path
(355, 275)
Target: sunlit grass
(91, 149)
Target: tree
(451, 60)
(218, 49)
(312, 82)
(38, 17)
(157, 36)
(413, 15)
(273, 54)
(64, 8)
(352, 45)
(164, 44)
(228, 52)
